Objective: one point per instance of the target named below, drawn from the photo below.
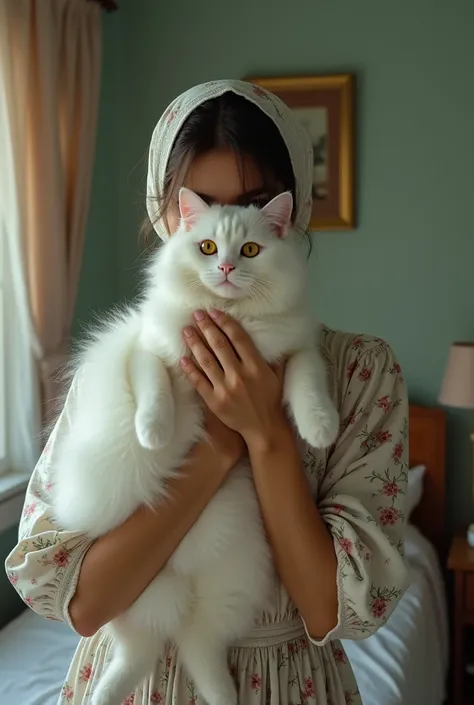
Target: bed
(405, 663)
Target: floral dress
(359, 487)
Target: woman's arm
(120, 565)
(302, 545)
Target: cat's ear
(278, 212)
(191, 206)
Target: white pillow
(415, 488)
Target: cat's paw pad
(320, 427)
(153, 433)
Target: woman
(334, 519)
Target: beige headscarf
(295, 137)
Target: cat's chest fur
(273, 335)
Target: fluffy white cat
(135, 418)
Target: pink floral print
(339, 655)
(61, 558)
(358, 343)
(308, 691)
(67, 692)
(396, 370)
(255, 681)
(29, 510)
(379, 607)
(365, 374)
(389, 515)
(346, 545)
(391, 489)
(385, 403)
(397, 453)
(85, 673)
(383, 437)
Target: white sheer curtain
(49, 95)
(22, 419)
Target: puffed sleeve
(44, 566)
(362, 493)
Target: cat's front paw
(320, 426)
(153, 433)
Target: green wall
(406, 273)
(99, 285)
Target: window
(3, 427)
(19, 417)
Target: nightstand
(461, 562)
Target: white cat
(136, 417)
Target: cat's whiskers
(193, 282)
(259, 292)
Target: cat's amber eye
(208, 247)
(250, 249)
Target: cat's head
(235, 255)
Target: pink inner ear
(191, 207)
(278, 212)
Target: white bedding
(403, 664)
(34, 656)
(406, 661)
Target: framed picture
(324, 105)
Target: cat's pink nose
(226, 268)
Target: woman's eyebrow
(254, 192)
(242, 196)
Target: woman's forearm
(302, 546)
(120, 565)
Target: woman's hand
(233, 379)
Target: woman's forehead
(223, 176)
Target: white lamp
(458, 384)
(458, 389)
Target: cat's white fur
(135, 418)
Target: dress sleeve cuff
(68, 587)
(337, 632)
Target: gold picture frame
(325, 105)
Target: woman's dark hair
(234, 122)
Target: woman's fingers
(197, 379)
(204, 357)
(217, 341)
(238, 343)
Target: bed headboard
(428, 447)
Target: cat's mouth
(227, 283)
(228, 289)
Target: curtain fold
(50, 56)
